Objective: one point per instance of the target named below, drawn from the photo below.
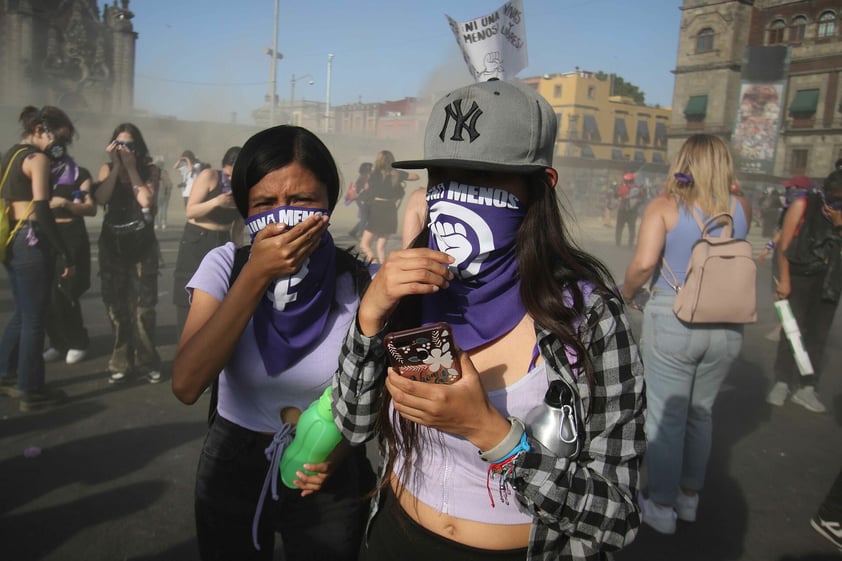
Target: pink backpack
(720, 285)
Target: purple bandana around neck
(224, 182)
(478, 227)
(291, 316)
(64, 172)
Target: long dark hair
(276, 147)
(550, 265)
(141, 150)
(50, 117)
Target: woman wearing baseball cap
(466, 476)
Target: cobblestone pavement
(114, 476)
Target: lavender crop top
(248, 396)
(448, 474)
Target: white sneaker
(117, 378)
(806, 397)
(153, 376)
(75, 355)
(52, 354)
(777, 396)
(660, 518)
(686, 507)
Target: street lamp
(327, 95)
(292, 82)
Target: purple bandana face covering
(291, 316)
(64, 172)
(224, 182)
(477, 226)
(289, 215)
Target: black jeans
(195, 243)
(328, 524)
(831, 508)
(626, 218)
(65, 326)
(814, 317)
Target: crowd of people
(269, 323)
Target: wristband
(770, 245)
(507, 445)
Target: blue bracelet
(522, 446)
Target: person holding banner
(271, 339)
(810, 278)
(467, 474)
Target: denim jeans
(684, 366)
(327, 524)
(30, 271)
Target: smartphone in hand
(425, 354)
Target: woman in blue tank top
(684, 363)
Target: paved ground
(114, 478)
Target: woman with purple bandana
(212, 220)
(70, 202)
(465, 474)
(271, 341)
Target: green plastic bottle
(316, 436)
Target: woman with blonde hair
(384, 194)
(685, 363)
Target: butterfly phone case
(425, 354)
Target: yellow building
(593, 124)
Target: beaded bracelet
(505, 468)
(507, 445)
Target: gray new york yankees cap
(489, 126)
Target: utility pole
(273, 69)
(327, 96)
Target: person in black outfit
(810, 277)
(385, 192)
(71, 201)
(361, 199)
(630, 198)
(212, 220)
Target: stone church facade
(67, 53)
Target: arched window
(796, 32)
(827, 25)
(776, 32)
(704, 40)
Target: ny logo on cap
(466, 121)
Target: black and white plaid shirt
(584, 507)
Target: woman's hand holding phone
(460, 408)
(425, 354)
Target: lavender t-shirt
(248, 396)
